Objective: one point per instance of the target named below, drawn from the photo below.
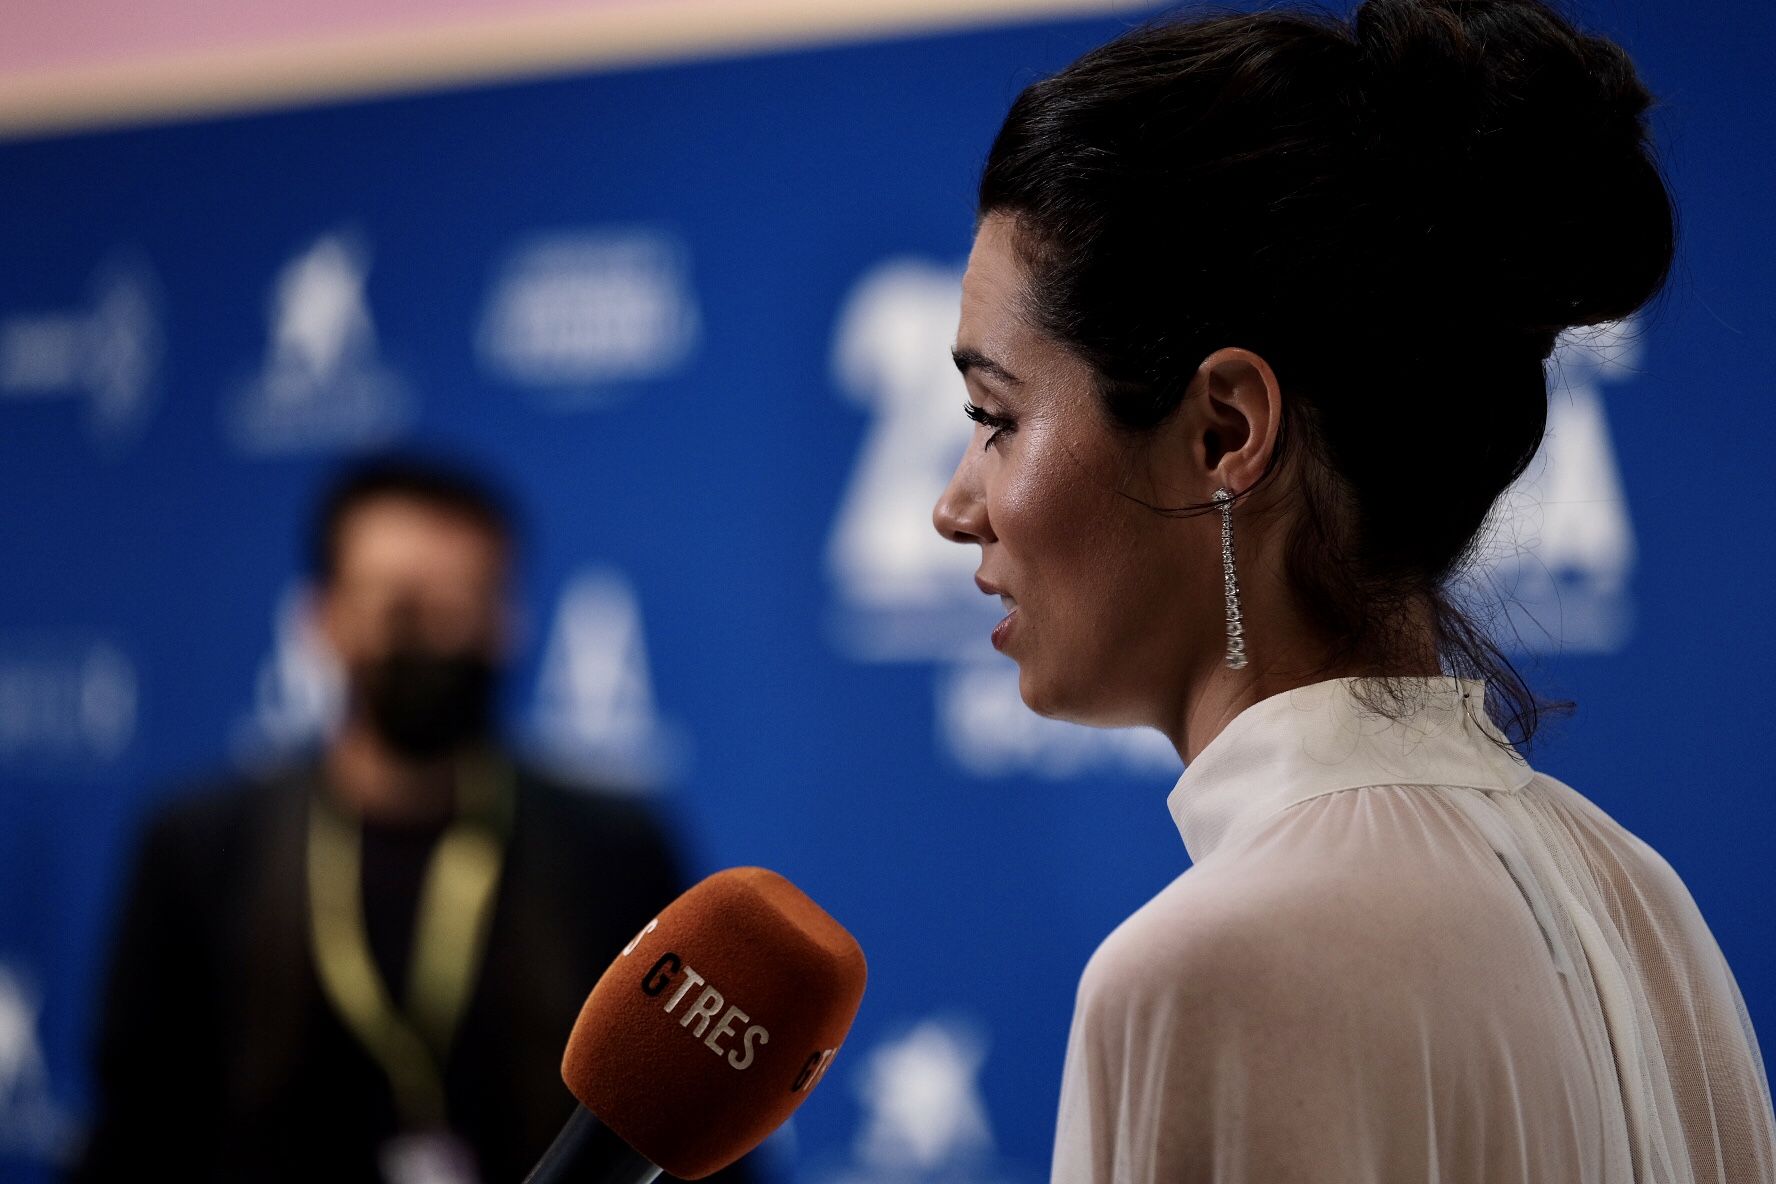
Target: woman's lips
(1002, 630)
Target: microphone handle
(588, 1152)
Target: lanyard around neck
(449, 933)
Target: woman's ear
(1222, 434)
(1237, 414)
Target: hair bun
(1513, 146)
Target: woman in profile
(1255, 330)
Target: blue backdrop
(696, 316)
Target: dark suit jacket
(217, 1056)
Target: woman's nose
(960, 514)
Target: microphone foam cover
(716, 1021)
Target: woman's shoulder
(1332, 899)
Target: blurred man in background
(364, 966)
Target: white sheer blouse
(1404, 955)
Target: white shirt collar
(1318, 739)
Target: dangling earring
(1236, 629)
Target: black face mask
(424, 703)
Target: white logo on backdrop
(31, 1123)
(1560, 545)
(904, 593)
(322, 383)
(922, 1092)
(107, 353)
(299, 691)
(924, 1117)
(594, 706)
(65, 703)
(572, 313)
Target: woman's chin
(1047, 697)
(1033, 691)
(1072, 701)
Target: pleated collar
(1318, 739)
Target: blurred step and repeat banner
(683, 277)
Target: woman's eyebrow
(973, 359)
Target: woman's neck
(1214, 698)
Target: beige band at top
(422, 57)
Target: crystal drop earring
(1236, 629)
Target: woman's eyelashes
(998, 423)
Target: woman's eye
(985, 418)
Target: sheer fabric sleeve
(1404, 954)
(1365, 990)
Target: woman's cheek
(1011, 511)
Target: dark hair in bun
(1451, 181)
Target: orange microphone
(705, 1033)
